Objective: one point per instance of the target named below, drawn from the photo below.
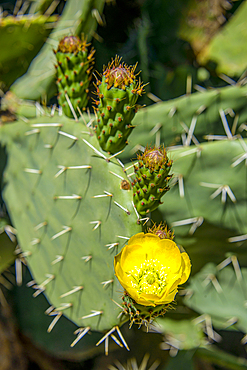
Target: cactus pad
(219, 292)
(191, 119)
(208, 185)
(20, 40)
(72, 216)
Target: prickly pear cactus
(74, 72)
(65, 198)
(116, 105)
(152, 177)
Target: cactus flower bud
(115, 107)
(161, 231)
(74, 72)
(70, 44)
(152, 177)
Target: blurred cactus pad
(20, 40)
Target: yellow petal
(186, 267)
(122, 277)
(151, 244)
(144, 239)
(169, 298)
(168, 254)
(142, 247)
(137, 298)
(144, 300)
(132, 256)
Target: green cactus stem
(152, 177)
(117, 95)
(74, 72)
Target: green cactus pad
(74, 72)
(35, 324)
(208, 184)
(20, 40)
(226, 48)
(152, 177)
(186, 334)
(190, 119)
(117, 93)
(220, 293)
(72, 215)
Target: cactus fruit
(74, 72)
(152, 177)
(116, 105)
(65, 200)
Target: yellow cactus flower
(150, 269)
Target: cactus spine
(116, 105)
(74, 72)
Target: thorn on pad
(81, 332)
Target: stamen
(149, 277)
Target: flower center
(119, 75)
(155, 157)
(149, 277)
